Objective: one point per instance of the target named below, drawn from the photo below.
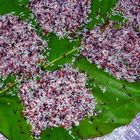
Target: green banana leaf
(116, 106)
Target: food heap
(116, 50)
(20, 48)
(56, 99)
(60, 16)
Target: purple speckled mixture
(61, 17)
(57, 99)
(20, 48)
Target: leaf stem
(73, 50)
(7, 87)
